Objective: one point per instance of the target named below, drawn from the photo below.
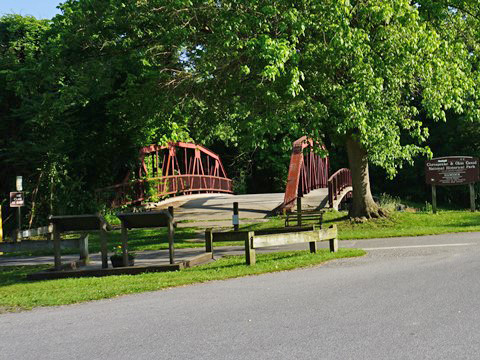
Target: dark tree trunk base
(363, 205)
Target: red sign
(452, 170)
(17, 199)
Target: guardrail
(338, 182)
(141, 190)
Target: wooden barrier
(253, 241)
(80, 244)
(83, 223)
(151, 219)
(233, 236)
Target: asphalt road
(411, 301)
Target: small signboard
(17, 199)
(452, 170)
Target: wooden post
(313, 247)
(434, 199)
(103, 245)
(333, 245)
(250, 257)
(56, 248)
(170, 239)
(299, 211)
(170, 210)
(208, 240)
(124, 244)
(472, 197)
(235, 218)
(83, 248)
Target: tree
(358, 72)
(115, 75)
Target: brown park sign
(452, 170)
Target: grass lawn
(397, 224)
(16, 293)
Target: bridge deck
(251, 206)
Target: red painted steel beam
(303, 174)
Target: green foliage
(82, 92)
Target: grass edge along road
(16, 293)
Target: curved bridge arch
(170, 170)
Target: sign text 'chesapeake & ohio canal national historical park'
(452, 170)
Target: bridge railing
(156, 188)
(337, 183)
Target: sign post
(235, 219)
(452, 171)
(1, 227)
(17, 200)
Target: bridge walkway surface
(252, 207)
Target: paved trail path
(410, 298)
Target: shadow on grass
(11, 275)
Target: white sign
(235, 220)
(19, 183)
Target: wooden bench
(253, 241)
(299, 218)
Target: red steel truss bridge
(309, 171)
(174, 169)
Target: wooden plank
(198, 260)
(240, 235)
(78, 222)
(131, 270)
(294, 238)
(285, 239)
(145, 220)
(36, 232)
(229, 236)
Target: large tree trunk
(363, 203)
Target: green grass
(397, 224)
(17, 293)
